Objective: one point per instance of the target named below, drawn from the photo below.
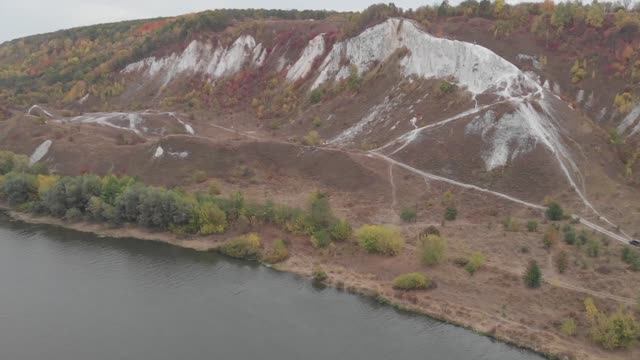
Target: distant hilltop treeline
(45, 68)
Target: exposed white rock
(188, 128)
(580, 96)
(179, 154)
(506, 137)
(378, 114)
(40, 152)
(533, 76)
(602, 114)
(158, 153)
(134, 121)
(38, 107)
(473, 66)
(234, 58)
(313, 50)
(83, 99)
(628, 120)
(281, 63)
(635, 129)
(556, 89)
(203, 58)
(589, 103)
(534, 61)
(413, 122)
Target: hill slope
(383, 110)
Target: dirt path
(393, 187)
(598, 294)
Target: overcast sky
(20, 18)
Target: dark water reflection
(67, 295)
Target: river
(67, 295)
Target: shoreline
(339, 278)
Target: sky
(20, 18)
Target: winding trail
(411, 135)
(598, 294)
(393, 187)
(454, 182)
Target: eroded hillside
(386, 110)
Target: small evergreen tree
(408, 215)
(450, 214)
(554, 212)
(533, 275)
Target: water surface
(71, 296)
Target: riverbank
(366, 283)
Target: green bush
(430, 230)
(408, 215)
(582, 238)
(19, 188)
(562, 261)
(319, 275)
(214, 189)
(511, 224)
(550, 237)
(341, 230)
(446, 87)
(12, 162)
(554, 212)
(73, 214)
(199, 176)
(578, 71)
(593, 248)
(631, 257)
(162, 209)
(208, 219)
(616, 331)
(312, 138)
(431, 249)
(320, 213)
(316, 95)
(278, 253)
(411, 281)
(244, 247)
(624, 102)
(532, 226)
(475, 262)
(321, 238)
(533, 275)
(112, 186)
(71, 192)
(569, 235)
(380, 239)
(569, 327)
(450, 214)
(354, 80)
